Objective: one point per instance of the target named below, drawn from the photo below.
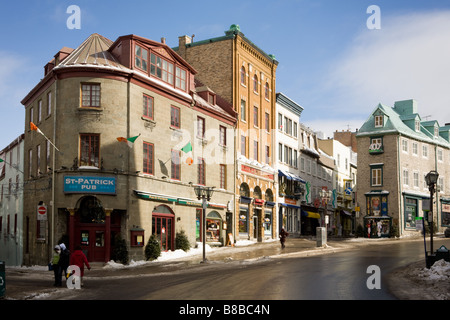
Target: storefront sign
(256, 172)
(86, 184)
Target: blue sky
(330, 62)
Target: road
(338, 276)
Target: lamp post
(204, 194)
(431, 179)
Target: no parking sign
(41, 212)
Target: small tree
(152, 249)
(120, 249)
(181, 241)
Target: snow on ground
(439, 271)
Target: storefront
(377, 222)
(445, 209)
(310, 220)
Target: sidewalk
(29, 283)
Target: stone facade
(396, 150)
(131, 192)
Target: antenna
(426, 117)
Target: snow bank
(440, 270)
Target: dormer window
(379, 121)
(141, 56)
(211, 98)
(436, 131)
(417, 125)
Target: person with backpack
(64, 259)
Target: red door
(163, 228)
(92, 241)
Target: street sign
(42, 212)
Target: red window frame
(180, 78)
(148, 162)
(90, 95)
(175, 121)
(201, 173)
(175, 165)
(200, 127)
(89, 149)
(148, 106)
(143, 61)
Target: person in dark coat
(64, 259)
(55, 266)
(283, 235)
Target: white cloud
(408, 58)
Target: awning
(290, 176)
(290, 205)
(310, 214)
(270, 204)
(346, 212)
(245, 199)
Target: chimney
(182, 42)
(163, 40)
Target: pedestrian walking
(55, 266)
(79, 259)
(64, 259)
(283, 235)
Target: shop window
(411, 207)
(213, 226)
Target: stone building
(245, 76)
(126, 134)
(396, 150)
(11, 202)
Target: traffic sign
(42, 212)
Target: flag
(1, 160)
(35, 128)
(129, 141)
(188, 150)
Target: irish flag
(129, 141)
(187, 149)
(35, 128)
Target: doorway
(163, 227)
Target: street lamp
(431, 179)
(205, 194)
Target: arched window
(243, 76)
(91, 210)
(257, 193)
(255, 83)
(244, 190)
(269, 195)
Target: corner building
(245, 76)
(135, 133)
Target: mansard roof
(396, 122)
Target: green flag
(1, 160)
(187, 148)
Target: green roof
(400, 119)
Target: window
(417, 125)
(176, 165)
(243, 145)
(148, 106)
(141, 58)
(175, 117)
(201, 179)
(48, 155)
(290, 157)
(295, 159)
(267, 122)
(376, 174)
(223, 136)
(39, 119)
(255, 116)
(32, 114)
(38, 155)
(416, 179)
(280, 152)
(267, 154)
(405, 177)
(266, 91)
(255, 83)
(30, 163)
(89, 150)
(440, 155)
(180, 79)
(148, 156)
(378, 121)
(90, 95)
(405, 145)
(223, 176)
(280, 121)
(255, 150)
(295, 129)
(376, 145)
(424, 151)
(415, 148)
(243, 76)
(49, 103)
(200, 127)
(243, 111)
